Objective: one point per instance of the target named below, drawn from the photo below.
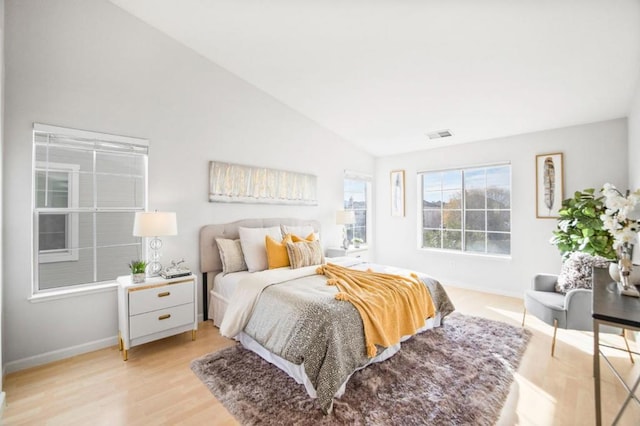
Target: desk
(611, 308)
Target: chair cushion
(576, 271)
(546, 306)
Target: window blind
(87, 187)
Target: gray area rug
(457, 374)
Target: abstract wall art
(237, 183)
(397, 193)
(549, 185)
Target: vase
(138, 278)
(634, 276)
(623, 271)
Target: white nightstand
(360, 252)
(155, 309)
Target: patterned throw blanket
(301, 321)
(391, 306)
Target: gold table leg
(193, 334)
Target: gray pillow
(231, 255)
(576, 271)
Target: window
(86, 188)
(57, 187)
(467, 209)
(357, 197)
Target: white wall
(89, 65)
(593, 154)
(2, 395)
(634, 141)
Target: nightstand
(155, 309)
(360, 252)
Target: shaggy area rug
(457, 374)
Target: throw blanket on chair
(391, 306)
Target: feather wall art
(549, 174)
(549, 182)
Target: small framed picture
(549, 185)
(397, 193)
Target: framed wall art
(549, 185)
(238, 183)
(397, 193)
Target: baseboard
(2, 404)
(59, 354)
(515, 294)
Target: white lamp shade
(155, 224)
(345, 217)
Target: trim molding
(2, 403)
(59, 354)
(515, 294)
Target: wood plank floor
(156, 385)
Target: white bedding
(248, 291)
(225, 284)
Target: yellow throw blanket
(391, 306)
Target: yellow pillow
(296, 239)
(277, 256)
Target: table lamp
(154, 224)
(345, 217)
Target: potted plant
(357, 242)
(138, 268)
(580, 227)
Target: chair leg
(553, 342)
(524, 315)
(626, 342)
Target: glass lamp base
(154, 268)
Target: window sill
(46, 296)
(502, 257)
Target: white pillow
(302, 231)
(254, 248)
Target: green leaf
(579, 226)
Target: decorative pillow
(305, 253)
(576, 271)
(296, 230)
(277, 256)
(231, 255)
(252, 241)
(297, 239)
(299, 231)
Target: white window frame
(463, 210)
(352, 175)
(37, 294)
(70, 253)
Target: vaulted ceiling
(384, 73)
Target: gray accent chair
(570, 311)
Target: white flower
(622, 215)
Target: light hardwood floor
(156, 386)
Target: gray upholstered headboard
(210, 256)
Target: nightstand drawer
(154, 298)
(160, 320)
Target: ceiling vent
(439, 134)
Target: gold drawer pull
(164, 317)
(164, 294)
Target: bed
(290, 317)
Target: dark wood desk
(611, 308)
